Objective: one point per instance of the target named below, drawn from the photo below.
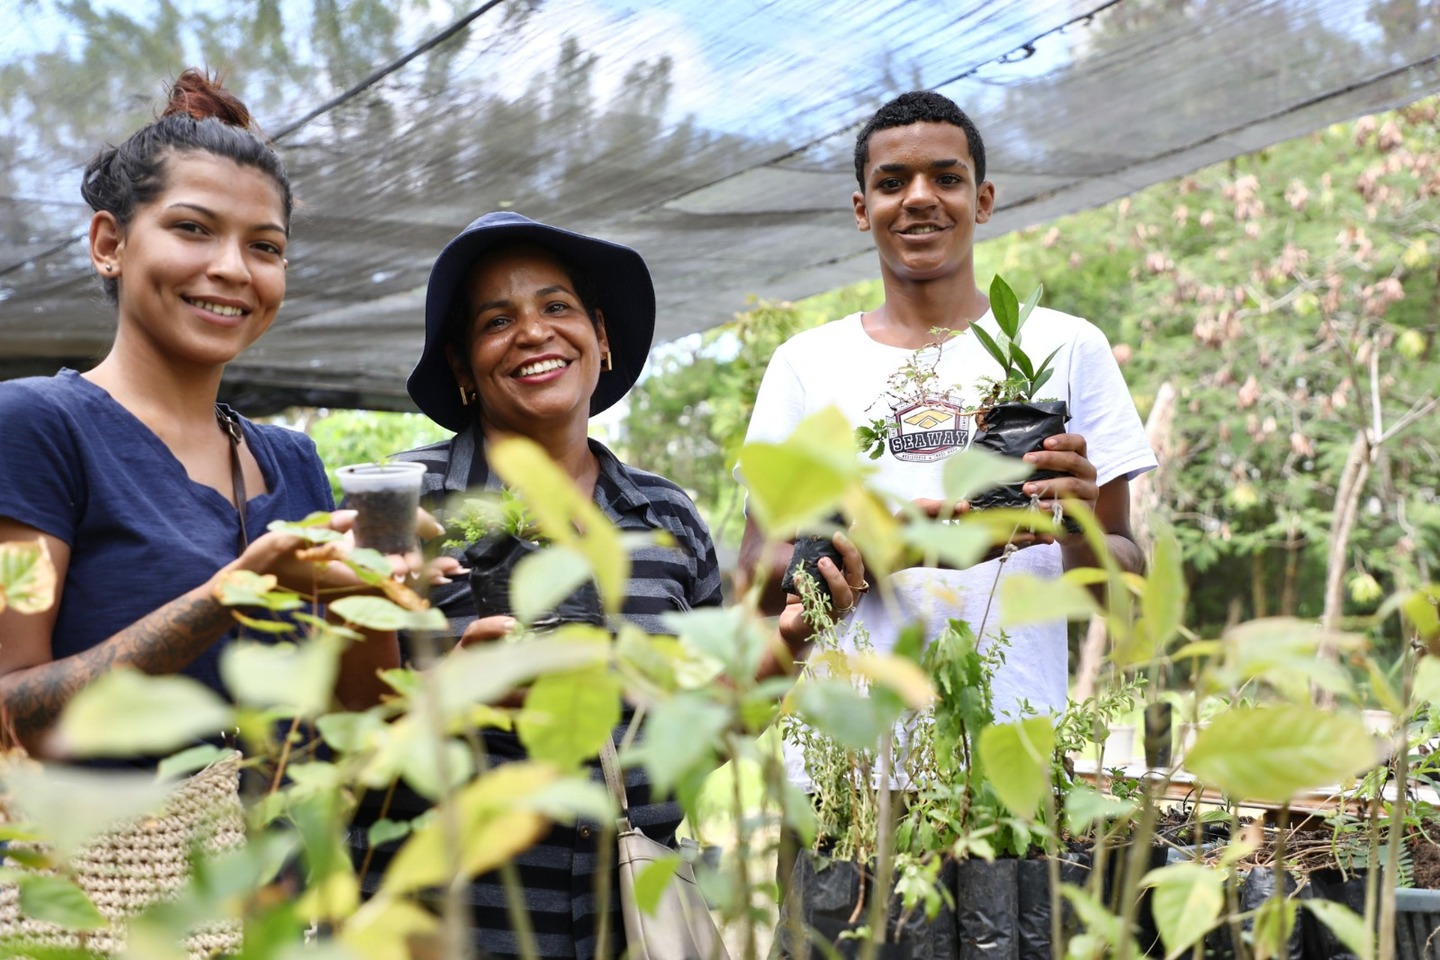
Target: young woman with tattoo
(129, 471)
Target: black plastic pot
(1013, 430)
(492, 562)
(827, 894)
(1349, 889)
(1417, 924)
(809, 549)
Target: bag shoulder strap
(615, 780)
(230, 423)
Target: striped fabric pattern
(559, 874)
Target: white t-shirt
(839, 365)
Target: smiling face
(921, 201)
(201, 268)
(534, 352)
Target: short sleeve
(780, 403)
(1104, 413)
(42, 477)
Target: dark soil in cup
(385, 519)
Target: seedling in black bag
(809, 549)
(1010, 420)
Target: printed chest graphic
(927, 431)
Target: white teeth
(542, 366)
(220, 308)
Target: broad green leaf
(313, 529)
(545, 578)
(1098, 921)
(853, 718)
(383, 928)
(349, 732)
(680, 733)
(188, 761)
(383, 831)
(1274, 922)
(1271, 753)
(787, 488)
(493, 823)
(567, 717)
(1005, 306)
(728, 634)
(1016, 760)
(653, 878)
(1085, 805)
(378, 613)
(1427, 681)
(971, 472)
(1348, 926)
(1186, 903)
(27, 576)
(1031, 302)
(1163, 602)
(562, 512)
(245, 588)
(127, 713)
(70, 806)
(573, 798)
(1027, 599)
(484, 674)
(958, 545)
(897, 673)
(1000, 354)
(299, 678)
(58, 900)
(420, 767)
(1422, 609)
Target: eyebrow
(902, 167)
(277, 228)
(503, 303)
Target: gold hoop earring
(467, 397)
(605, 362)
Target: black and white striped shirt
(559, 873)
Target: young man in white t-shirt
(920, 164)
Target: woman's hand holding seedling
(846, 585)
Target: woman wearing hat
(529, 331)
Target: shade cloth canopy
(714, 137)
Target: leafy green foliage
(127, 712)
(1020, 378)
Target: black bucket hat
(618, 281)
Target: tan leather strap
(615, 780)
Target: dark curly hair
(201, 115)
(918, 106)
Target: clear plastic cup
(384, 497)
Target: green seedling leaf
(545, 578)
(1348, 926)
(486, 674)
(1005, 306)
(127, 713)
(1031, 302)
(729, 635)
(971, 472)
(1186, 903)
(795, 483)
(384, 831)
(58, 900)
(898, 674)
(1098, 921)
(1272, 753)
(313, 529)
(1026, 599)
(298, 678)
(1000, 354)
(1085, 805)
(271, 627)
(1422, 609)
(848, 715)
(371, 565)
(27, 576)
(568, 716)
(653, 878)
(372, 613)
(188, 761)
(1022, 360)
(1427, 681)
(386, 927)
(573, 798)
(681, 734)
(245, 588)
(1274, 922)
(1162, 604)
(1016, 760)
(350, 732)
(957, 545)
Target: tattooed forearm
(166, 641)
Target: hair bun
(200, 96)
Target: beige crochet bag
(144, 861)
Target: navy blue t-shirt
(77, 465)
